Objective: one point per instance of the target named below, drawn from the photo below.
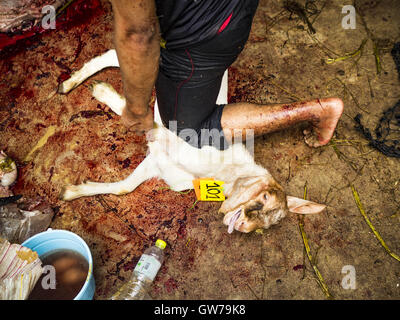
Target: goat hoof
(68, 193)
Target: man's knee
(201, 136)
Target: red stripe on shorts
(223, 26)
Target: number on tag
(211, 190)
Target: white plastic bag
(20, 269)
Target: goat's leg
(106, 94)
(108, 59)
(145, 170)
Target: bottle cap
(161, 244)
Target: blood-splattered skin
(323, 114)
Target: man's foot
(327, 115)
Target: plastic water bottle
(143, 274)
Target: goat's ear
(298, 205)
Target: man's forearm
(137, 42)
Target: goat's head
(259, 202)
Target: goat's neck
(240, 171)
(244, 170)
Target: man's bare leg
(323, 115)
(137, 42)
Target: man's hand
(137, 123)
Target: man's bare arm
(137, 42)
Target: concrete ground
(282, 62)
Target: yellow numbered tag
(211, 190)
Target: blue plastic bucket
(61, 239)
